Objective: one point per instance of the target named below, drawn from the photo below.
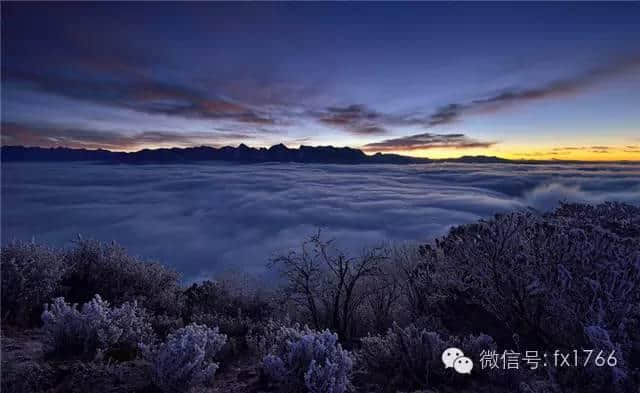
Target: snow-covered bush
(545, 277)
(231, 307)
(95, 328)
(552, 280)
(307, 360)
(404, 357)
(107, 269)
(232, 326)
(164, 324)
(262, 337)
(224, 299)
(206, 297)
(186, 359)
(235, 328)
(619, 218)
(31, 276)
(410, 357)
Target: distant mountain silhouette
(242, 153)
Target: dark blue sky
(542, 80)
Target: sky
(515, 80)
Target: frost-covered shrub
(408, 357)
(66, 328)
(31, 276)
(307, 360)
(95, 328)
(552, 280)
(545, 278)
(204, 298)
(228, 306)
(619, 218)
(186, 359)
(223, 299)
(235, 328)
(263, 337)
(164, 324)
(232, 326)
(107, 269)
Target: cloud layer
(205, 219)
(427, 141)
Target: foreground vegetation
(93, 318)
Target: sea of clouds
(207, 219)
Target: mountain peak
(279, 146)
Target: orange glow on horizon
(580, 153)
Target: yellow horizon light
(586, 153)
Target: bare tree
(327, 283)
(386, 290)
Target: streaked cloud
(143, 95)
(428, 141)
(578, 84)
(356, 119)
(538, 154)
(17, 134)
(581, 148)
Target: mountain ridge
(242, 153)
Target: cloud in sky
(428, 141)
(577, 84)
(17, 134)
(632, 149)
(593, 149)
(539, 154)
(356, 119)
(142, 94)
(181, 216)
